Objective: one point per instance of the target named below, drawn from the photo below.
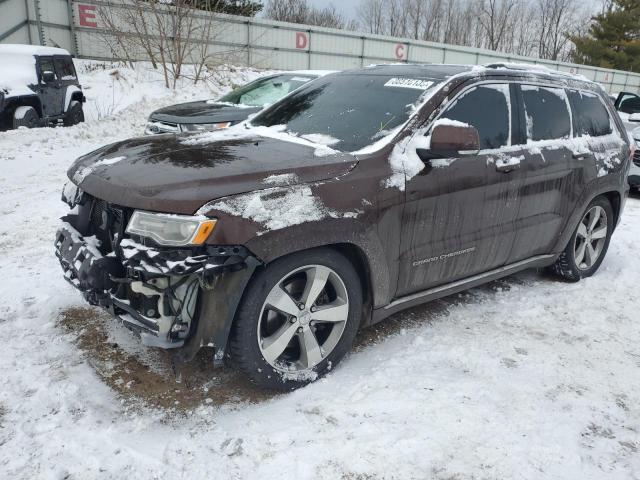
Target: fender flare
(332, 233)
(12, 103)
(590, 193)
(72, 90)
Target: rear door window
(547, 113)
(590, 115)
(65, 69)
(487, 108)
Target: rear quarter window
(546, 113)
(589, 113)
(65, 69)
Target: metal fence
(77, 26)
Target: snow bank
(111, 88)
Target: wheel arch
(24, 101)
(347, 236)
(73, 93)
(611, 194)
(615, 199)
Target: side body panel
(354, 210)
(51, 93)
(460, 214)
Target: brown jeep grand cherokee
(360, 194)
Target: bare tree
(522, 27)
(299, 11)
(558, 20)
(372, 14)
(494, 17)
(169, 33)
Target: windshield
(266, 91)
(347, 111)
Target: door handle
(506, 166)
(579, 156)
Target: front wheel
(589, 243)
(74, 115)
(298, 318)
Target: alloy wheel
(303, 318)
(591, 238)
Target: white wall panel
(276, 45)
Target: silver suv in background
(233, 108)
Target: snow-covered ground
(524, 378)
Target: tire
(311, 340)
(74, 115)
(577, 261)
(26, 116)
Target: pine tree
(613, 40)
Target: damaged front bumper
(178, 298)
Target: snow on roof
(318, 73)
(535, 68)
(19, 67)
(15, 49)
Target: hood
(202, 112)
(161, 173)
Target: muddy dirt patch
(139, 373)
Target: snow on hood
(318, 142)
(277, 207)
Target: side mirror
(48, 76)
(634, 117)
(451, 140)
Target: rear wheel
(298, 319)
(589, 244)
(74, 115)
(26, 116)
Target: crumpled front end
(156, 291)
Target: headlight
(204, 127)
(171, 230)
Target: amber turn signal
(203, 232)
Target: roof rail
(518, 66)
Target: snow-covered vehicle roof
(318, 73)
(443, 71)
(15, 49)
(20, 67)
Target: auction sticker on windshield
(416, 83)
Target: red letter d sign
(301, 40)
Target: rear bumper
(161, 294)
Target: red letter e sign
(87, 16)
